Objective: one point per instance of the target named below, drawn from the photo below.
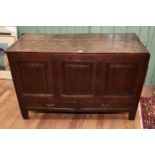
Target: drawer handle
(50, 104)
(105, 105)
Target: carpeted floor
(148, 111)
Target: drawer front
(104, 104)
(79, 105)
(51, 105)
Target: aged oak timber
(85, 73)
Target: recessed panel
(77, 78)
(34, 77)
(120, 78)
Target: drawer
(80, 104)
(115, 104)
(51, 104)
(103, 104)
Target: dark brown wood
(78, 73)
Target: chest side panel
(32, 75)
(120, 78)
(77, 77)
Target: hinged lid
(79, 43)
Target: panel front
(34, 77)
(120, 78)
(77, 78)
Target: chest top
(79, 43)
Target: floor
(10, 116)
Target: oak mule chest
(85, 73)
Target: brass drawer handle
(50, 104)
(105, 105)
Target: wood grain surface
(78, 73)
(79, 43)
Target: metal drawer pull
(105, 105)
(50, 104)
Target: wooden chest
(85, 73)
